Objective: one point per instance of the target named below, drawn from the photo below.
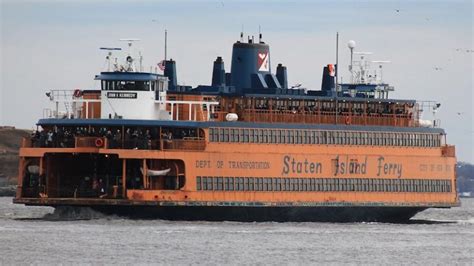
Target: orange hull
(272, 174)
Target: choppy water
(37, 235)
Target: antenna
(242, 34)
(129, 59)
(109, 54)
(351, 44)
(166, 43)
(259, 34)
(141, 60)
(130, 42)
(378, 72)
(337, 59)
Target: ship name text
(388, 168)
(122, 95)
(293, 166)
(349, 166)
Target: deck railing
(83, 142)
(184, 144)
(324, 117)
(197, 144)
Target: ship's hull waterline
(329, 212)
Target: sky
(55, 45)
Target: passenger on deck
(117, 139)
(49, 139)
(102, 189)
(147, 139)
(135, 139)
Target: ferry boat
(248, 147)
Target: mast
(351, 44)
(337, 59)
(166, 42)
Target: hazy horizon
(54, 45)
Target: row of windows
(290, 136)
(321, 184)
(117, 85)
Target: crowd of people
(328, 107)
(131, 138)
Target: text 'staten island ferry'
(246, 148)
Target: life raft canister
(99, 142)
(348, 120)
(77, 93)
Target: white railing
(67, 104)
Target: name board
(122, 95)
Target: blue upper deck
(127, 76)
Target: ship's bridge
(133, 95)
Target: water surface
(38, 235)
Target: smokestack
(249, 60)
(282, 76)
(328, 81)
(218, 73)
(170, 72)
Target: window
(241, 135)
(324, 184)
(324, 137)
(221, 134)
(274, 136)
(204, 183)
(311, 137)
(211, 134)
(311, 184)
(275, 184)
(220, 183)
(260, 136)
(226, 184)
(226, 135)
(209, 183)
(330, 137)
(241, 184)
(198, 183)
(306, 184)
(260, 184)
(231, 135)
(246, 135)
(127, 85)
(337, 138)
(282, 136)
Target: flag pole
(166, 42)
(337, 85)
